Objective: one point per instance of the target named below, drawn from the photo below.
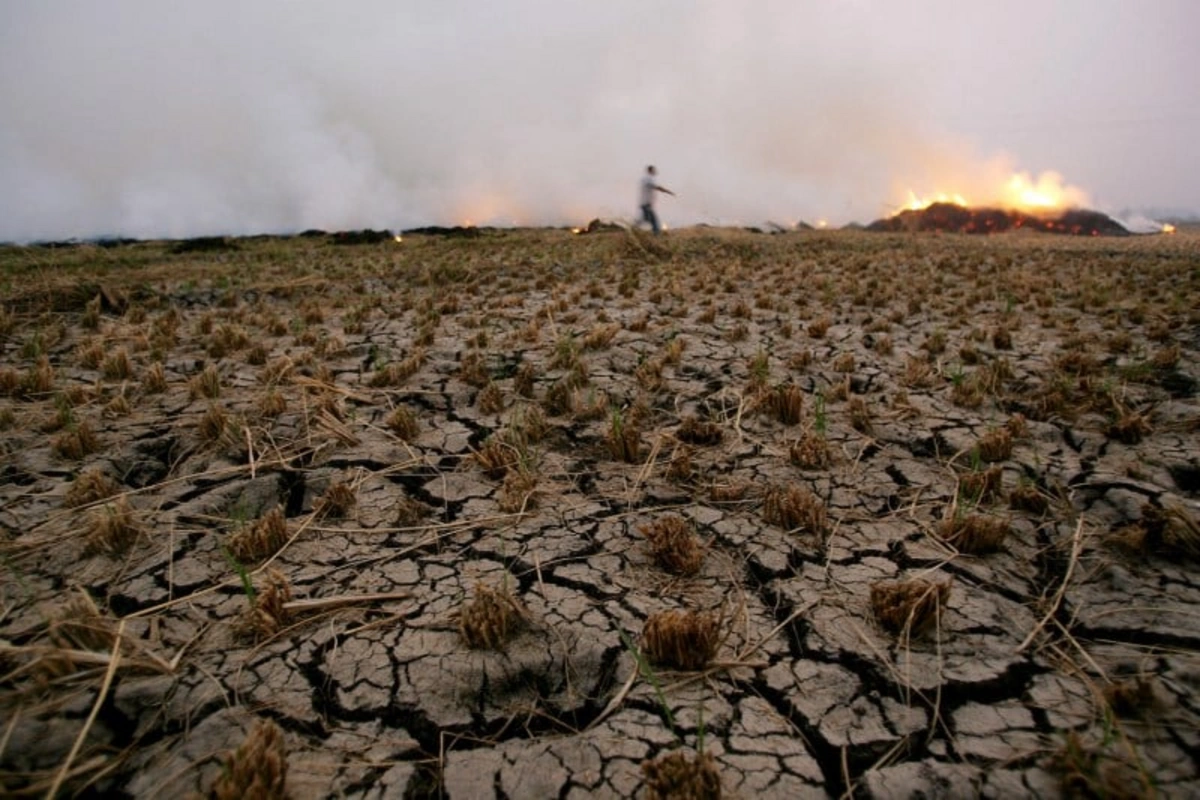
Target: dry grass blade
(679, 776)
(492, 618)
(673, 545)
(257, 770)
(908, 608)
(684, 640)
(114, 662)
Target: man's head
(650, 170)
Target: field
(529, 514)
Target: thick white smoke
(144, 118)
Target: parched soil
(405, 519)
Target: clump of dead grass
(795, 508)
(79, 625)
(728, 492)
(518, 492)
(810, 451)
(1094, 771)
(1025, 496)
(678, 776)
(995, 445)
(908, 608)
(257, 770)
(117, 366)
(682, 639)
(490, 399)
(694, 430)
(113, 528)
(260, 539)
(981, 486)
(973, 534)
(674, 545)
(623, 437)
(337, 501)
(265, 615)
(493, 617)
(860, 415)
(786, 403)
(78, 441)
(1169, 531)
(206, 383)
(1127, 426)
(403, 423)
(91, 486)
(154, 379)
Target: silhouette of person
(646, 198)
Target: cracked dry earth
(253, 494)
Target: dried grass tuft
(79, 625)
(693, 430)
(266, 615)
(795, 508)
(1171, 531)
(908, 608)
(1132, 698)
(684, 640)
(518, 492)
(678, 776)
(981, 486)
(260, 539)
(113, 528)
(810, 451)
(1086, 771)
(1128, 427)
(995, 445)
(674, 545)
(117, 366)
(973, 534)
(860, 415)
(492, 618)
(786, 403)
(403, 423)
(257, 770)
(728, 492)
(623, 437)
(1026, 497)
(496, 457)
(490, 399)
(205, 384)
(154, 379)
(337, 501)
(76, 442)
(91, 486)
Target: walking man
(649, 187)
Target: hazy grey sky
(170, 119)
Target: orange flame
(1021, 192)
